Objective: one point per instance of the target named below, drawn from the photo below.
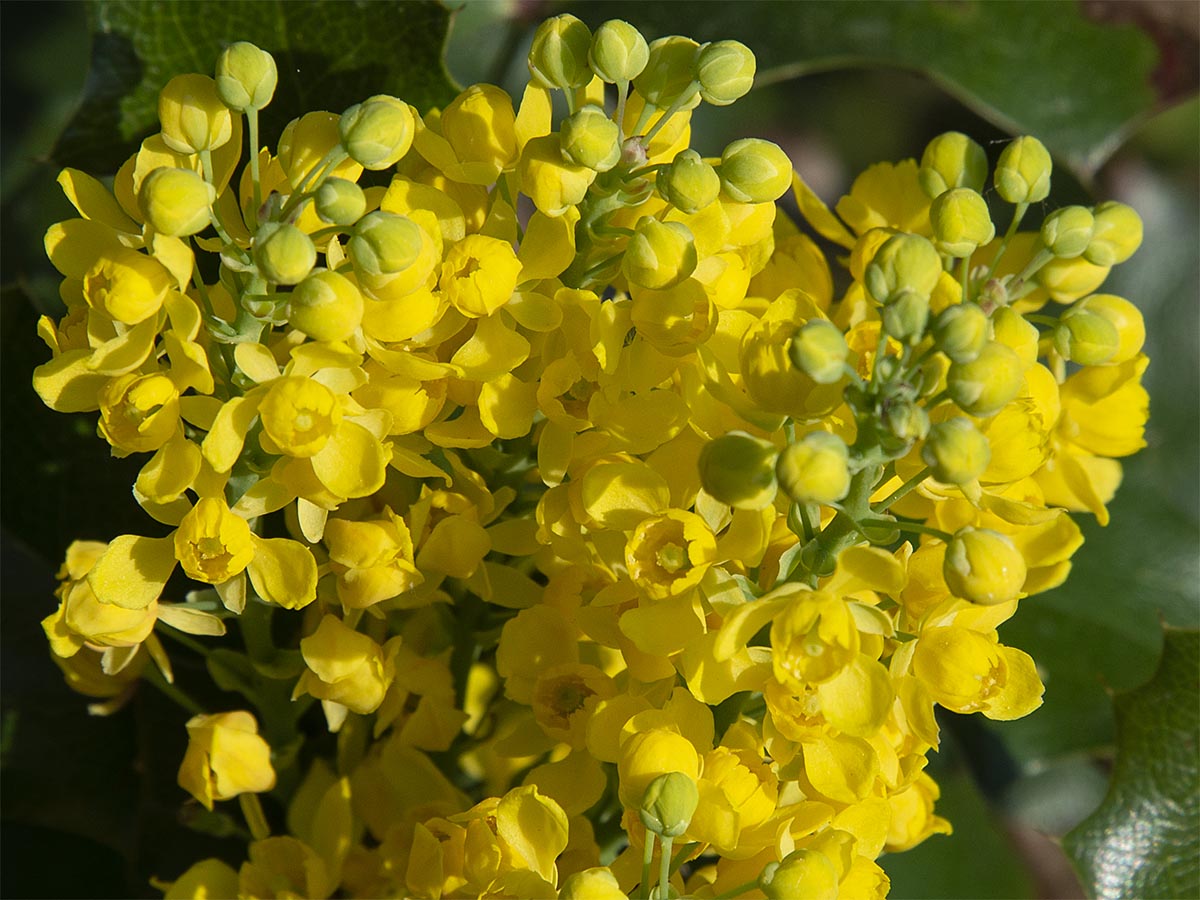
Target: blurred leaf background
(1110, 87)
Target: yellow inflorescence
(589, 495)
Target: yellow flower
(192, 115)
(813, 639)
(126, 286)
(669, 553)
(345, 667)
(479, 275)
(564, 698)
(212, 544)
(373, 560)
(966, 671)
(139, 413)
(225, 757)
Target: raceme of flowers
(627, 536)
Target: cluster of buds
(581, 496)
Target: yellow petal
(94, 201)
(283, 572)
(133, 570)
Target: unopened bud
(725, 70)
(1085, 337)
(905, 421)
(192, 115)
(660, 254)
(385, 244)
(246, 77)
(1023, 172)
(905, 316)
(669, 803)
(815, 469)
(739, 470)
(1116, 235)
(961, 222)
(1125, 317)
(905, 262)
(559, 55)
(340, 202)
(283, 253)
(326, 306)
(689, 183)
(956, 451)
(802, 873)
(377, 132)
(960, 331)
(591, 139)
(177, 202)
(952, 160)
(618, 52)
(984, 567)
(819, 350)
(986, 384)
(755, 171)
(669, 72)
(1068, 231)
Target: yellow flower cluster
(587, 489)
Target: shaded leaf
(331, 54)
(1144, 840)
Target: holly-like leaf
(331, 54)
(1144, 840)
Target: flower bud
(755, 171)
(591, 139)
(559, 55)
(192, 115)
(905, 262)
(669, 803)
(905, 421)
(246, 77)
(815, 469)
(960, 331)
(618, 52)
(177, 202)
(326, 306)
(956, 451)
(802, 873)
(961, 222)
(1023, 172)
(283, 253)
(952, 160)
(985, 385)
(669, 72)
(739, 469)
(344, 666)
(1116, 235)
(377, 132)
(984, 567)
(689, 183)
(340, 202)
(660, 254)
(906, 316)
(819, 350)
(1125, 317)
(225, 757)
(384, 244)
(1068, 231)
(725, 70)
(1085, 337)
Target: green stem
(180, 638)
(202, 290)
(256, 819)
(685, 97)
(740, 889)
(1042, 257)
(1018, 215)
(965, 275)
(155, 677)
(647, 859)
(901, 491)
(907, 526)
(622, 93)
(664, 870)
(256, 180)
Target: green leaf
(1144, 840)
(1037, 68)
(331, 54)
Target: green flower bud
(340, 202)
(1023, 172)
(1068, 231)
(819, 350)
(905, 421)
(618, 52)
(1125, 317)
(956, 451)
(952, 160)
(905, 262)
(725, 70)
(177, 202)
(660, 254)
(246, 77)
(961, 222)
(326, 306)
(815, 469)
(377, 132)
(984, 567)
(689, 183)
(739, 469)
(193, 117)
(1085, 337)
(669, 803)
(755, 171)
(1116, 235)
(559, 55)
(669, 72)
(960, 331)
(986, 384)
(384, 244)
(905, 316)
(283, 253)
(591, 139)
(802, 873)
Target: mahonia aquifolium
(556, 440)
